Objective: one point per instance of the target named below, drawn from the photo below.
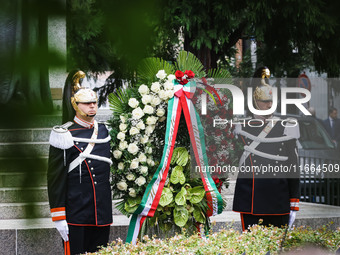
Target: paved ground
(307, 211)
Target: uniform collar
(83, 123)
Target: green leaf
(166, 197)
(183, 158)
(181, 216)
(177, 175)
(199, 215)
(176, 154)
(197, 194)
(188, 61)
(132, 204)
(180, 198)
(149, 67)
(118, 101)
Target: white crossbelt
(252, 147)
(87, 152)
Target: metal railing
(317, 186)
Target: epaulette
(292, 128)
(61, 137)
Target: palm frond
(148, 68)
(188, 61)
(120, 207)
(118, 101)
(221, 76)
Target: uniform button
(282, 143)
(89, 161)
(274, 174)
(91, 168)
(276, 162)
(254, 161)
(248, 142)
(77, 143)
(94, 175)
(82, 148)
(252, 154)
(257, 173)
(95, 183)
(280, 149)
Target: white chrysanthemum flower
(155, 101)
(148, 150)
(140, 125)
(146, 99)
(142, 157)
(117, 154)
(140, 181)
(122, 185)
(134, 131)
(143, 169)
(122, 127)
(121, 136)
(160, 112)
(143, 89)
(123, 145)
(162, 119)
(121, 165)
(162, 95)
(132, 192)
(133, 102)
(133, 148)
(171, 77)
(150, 162)
(122, 118)
(148, 109)
(134, 163)
(131, 177)
(169, 94)
(168, 85)
(161, 74)
(155, 87)
(149, 129)
(144, 139)
(151, 120)
(137, 113)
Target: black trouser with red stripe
(87, 239)
(274, 220)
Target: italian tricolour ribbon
(181, 101)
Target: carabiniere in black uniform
(79, 172)
(267, 193)
(80, 192)
(267, 185)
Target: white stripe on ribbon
(294, 204)
(155, 186)
(196, 134)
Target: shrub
(257, 240)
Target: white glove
(62, 227)
(292, 216)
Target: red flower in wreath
(182, 77)
(179, 75)
(190, 74)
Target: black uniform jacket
(276, 194)
(83, 195)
